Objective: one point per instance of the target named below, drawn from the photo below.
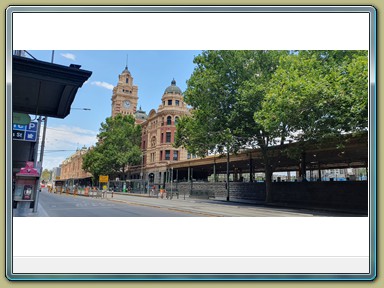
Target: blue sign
(32, 126)
(25, 132)
(19, 127)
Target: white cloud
(62, 141)
(103, 84)
(69, 56)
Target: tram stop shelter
(42, 89)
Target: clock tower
(124, 97)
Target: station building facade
(158, 135)
(72, 171)
(158, 127)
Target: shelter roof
(42, 88)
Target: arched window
(176, 120)
(169, 120)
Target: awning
(42, 88)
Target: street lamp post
(171, 181)
(141, 174)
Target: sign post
(103, 179)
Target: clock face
(126, 104)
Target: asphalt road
(129, 205)
(56, 205)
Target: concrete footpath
(217, 208)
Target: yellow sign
(103, 178)
(57, 177)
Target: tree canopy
(225, 90)
(117, 148)
(315, 95)
(246, 99)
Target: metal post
(250, 168)
(41, 161)
(171, 181)
(36, 148)
(227, 174)
(141, 173)
(303, 167)
(53, 56)
(187, 179)
(191, 180)
(214, 172)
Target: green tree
(225, 90)
(118, 147)
(46, 175)
(316, 96)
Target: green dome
(173, 88)
(140, 114)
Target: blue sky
(152, 72)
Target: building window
(177, 102)
(126, 81)
(167, 154)
(163, 103)
(176, 120)
(175, 155)
(169, 102)
(169, 120)
(153, 141)
(191, 156)
(144, 145)
(162, 137)
(168, 137)
(161, 155)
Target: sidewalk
(219, 208)
(28, 212)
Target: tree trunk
(268, 170)
(303, 167)
(268, 182)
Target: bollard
(112, 194)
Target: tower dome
(173, 88)
(141, 115)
